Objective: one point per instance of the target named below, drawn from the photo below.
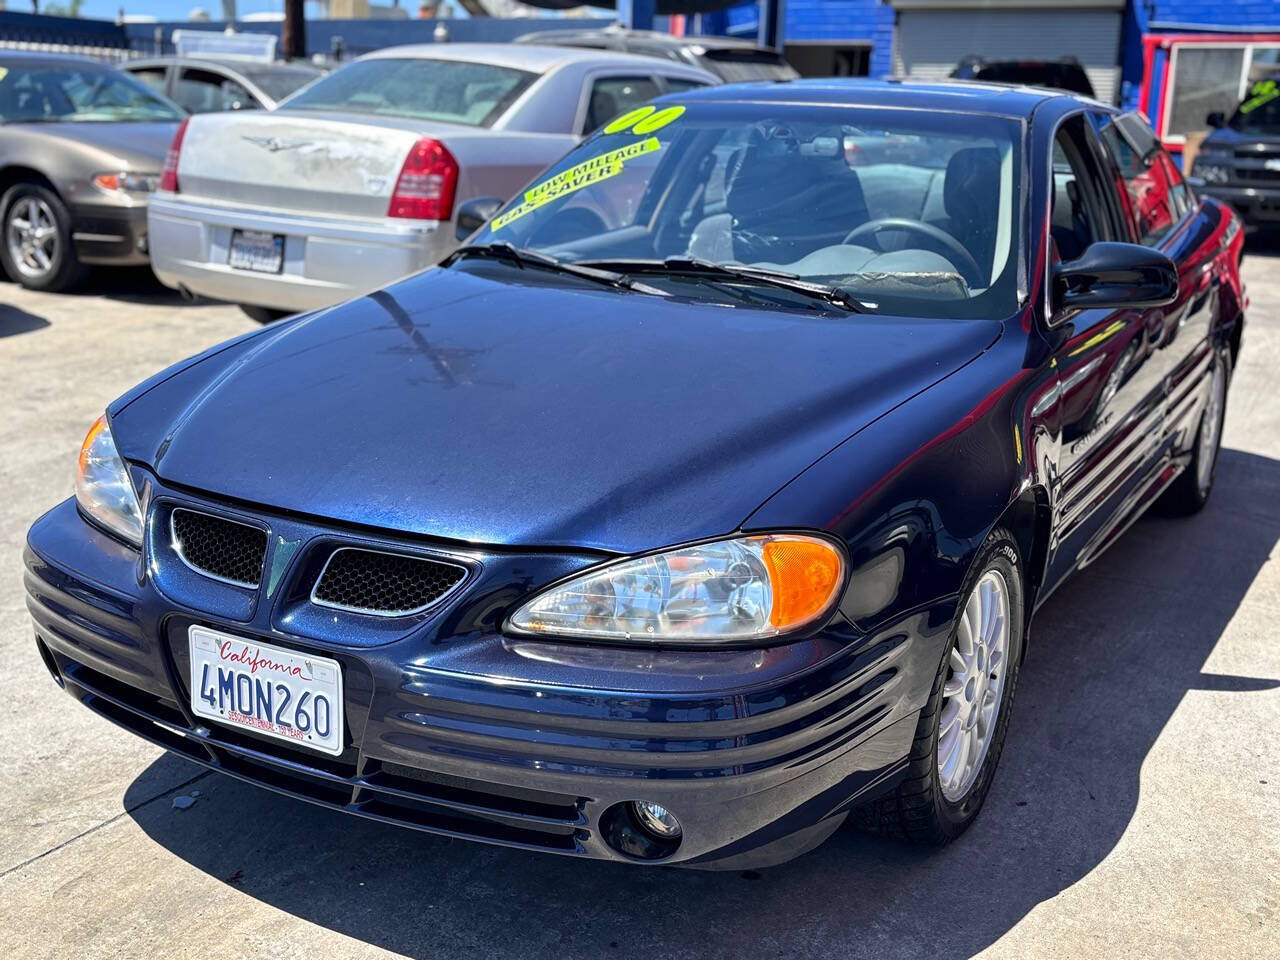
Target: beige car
(81, 148)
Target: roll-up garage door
(929, 43)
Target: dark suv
(1239, 162)
(1064, 74)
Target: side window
(611, 96)
(1156, 193)
(202, 91)
(680, 85)
(1078, 214)
(153, 77)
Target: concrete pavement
(1136, 813)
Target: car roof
(15, 57)
(238, 64)
(532, 57)
(965, 96)
(608, 34)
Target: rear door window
(203, 91)
(611, 96)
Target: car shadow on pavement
(1112, 655)
(130, 285)
(14, 321)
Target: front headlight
(1211, 173)
(103, 488)
(743, 589)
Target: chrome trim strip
(176, 543)
(368, 612)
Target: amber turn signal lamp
(805, 576)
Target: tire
(1190, 491)
(262, 314)
(36, 248)
(934, 804)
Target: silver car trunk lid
(323, 163)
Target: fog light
(656, 818)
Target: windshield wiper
(695, 266)
(521, 257)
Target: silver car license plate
(292, 696)
(256, 250)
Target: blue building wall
(822, 20)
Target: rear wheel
(37, 249)
(262, 314)
(1190, 492)
(961, 731)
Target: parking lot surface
(1136, 812)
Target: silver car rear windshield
(907, 211)
(472, 94)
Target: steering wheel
(968, 266)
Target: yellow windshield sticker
(644, 120)
(1261, 94)
(4, 72)
(575, 178)
(657, 120)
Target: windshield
(56, 93)
(278, 82)
(1260, 111)
(475, 94)
(905, 211)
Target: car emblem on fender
(275, 143)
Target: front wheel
(961, 731)
(37, 249)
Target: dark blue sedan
(700, 503)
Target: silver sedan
(359, 179)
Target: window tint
(1073, 224)
(611, 96)
(677, 85)
(1157, 196)
(202, 91)
(152, 76)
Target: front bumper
(1255, 205)
(110, 234)
(456, 730)
(326, 259)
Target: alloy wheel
(1210, 428)
(974, 688)
(32, 235)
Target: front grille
(386, 584)
(1257, 174)
(218, 548)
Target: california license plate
(257, 251)
(292, 696)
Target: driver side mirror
(1217, 119)
(1115, 275)
(474, 214)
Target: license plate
(292, 696)
(257, 251)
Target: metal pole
(771, 28)
(636, 14)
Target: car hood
(136, 146)
(521, 412)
